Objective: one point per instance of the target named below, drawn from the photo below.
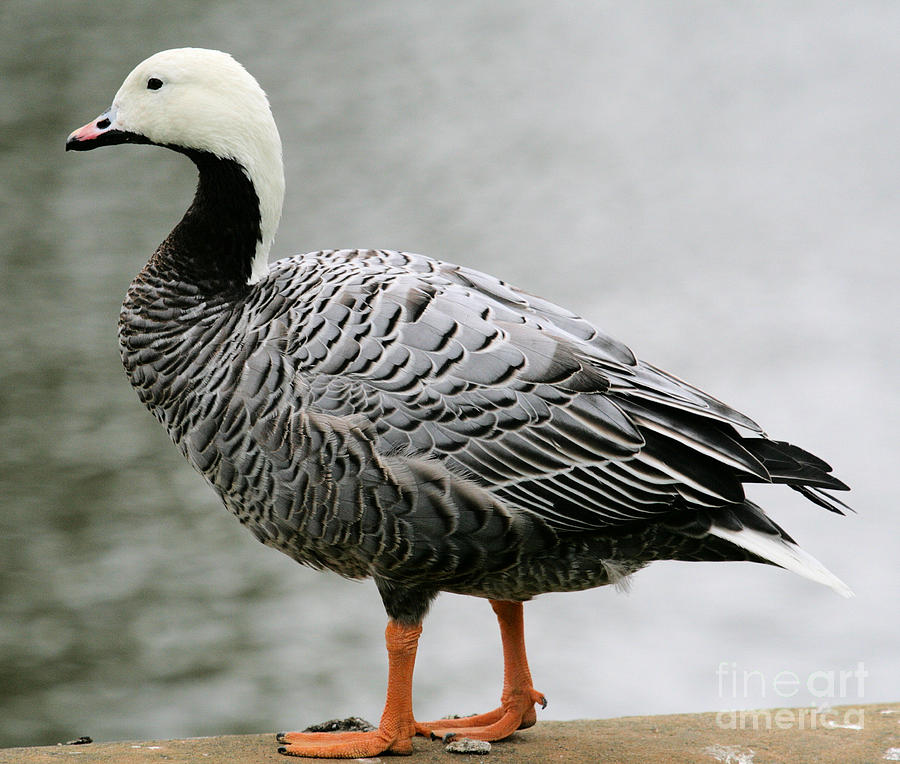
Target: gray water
(714, 183)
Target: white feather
(208, 101)
(785, 554)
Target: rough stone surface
(842, 735)
(467, 745)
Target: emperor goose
(386, 415)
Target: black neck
(214, 244)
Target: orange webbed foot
(346, 745)
(518, 698)
(516, 712)
(397, 726)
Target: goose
(386, 415)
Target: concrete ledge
(843, 735)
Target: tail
(764, 539)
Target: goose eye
(154, 84)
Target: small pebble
(467, 745)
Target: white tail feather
(783, 553)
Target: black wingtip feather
(790, 464)
(818, 496)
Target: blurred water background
(714, 183)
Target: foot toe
(344, 745)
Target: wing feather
(516, 394)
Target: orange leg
(397, 726)
(518, 698)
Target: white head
(204, 100)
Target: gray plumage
(387, 415)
